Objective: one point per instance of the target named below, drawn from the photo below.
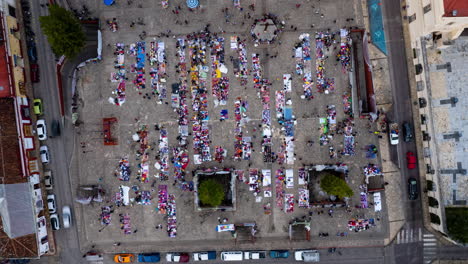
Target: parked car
(254, 254)
(55, 128)
(177, 257)
(208, 255)
(232, 255)
(34, 68)
(54, 221)
(44, 151)
(66, 216)
(124, 258)
(51, 204)
(410, 160)
(407, 132)
(32, 53)
(279, 254)
(412, 189)
(307, 255)
(149, 257)
(41, 129)
(48, 180)
(37, 106)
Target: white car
(48, 180)
(54, 222)
(66, 216)
(44, 151)
(41, 129)
(51, 203)
(307, 255)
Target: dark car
(149, 257)
(412, 189)
(32, 53)
(34, 68)
(279, 254)
(408, 132)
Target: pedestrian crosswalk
(429, 248)
(429, 242)
(409, 236)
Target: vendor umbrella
(108, 2)
(192, 3)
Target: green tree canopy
(333, 185)
(457, 223)
(211, 193)
(63, 31)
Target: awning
(108, 2)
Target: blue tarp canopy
(287, 113)
(108, 2)
(192, 3)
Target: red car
(34, 68)
(410, 160)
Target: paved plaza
(140, 110)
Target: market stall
(266, 183)
(303, 59)
(125, 224)
(219, 83)
(344, 55)
(157, 58)
(302, 177)
(162, 199)
(279, 187)
(254, 181)
(106, 215)
(123, 170)
(289, 178)
(303, 198)
(198, 74)
(288, 203)
(171, 216)
(323, 41)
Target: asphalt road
(60, 147)
(402, 109)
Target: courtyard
(186, 100)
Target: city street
(61, 147)
(402, 112)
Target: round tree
(336, 186)
(63, 30)
(211, 193)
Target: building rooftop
(456, 8)
(6, 87)
(10, 173)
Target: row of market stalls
(199, 73)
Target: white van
(231, 256)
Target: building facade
(435, 27)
